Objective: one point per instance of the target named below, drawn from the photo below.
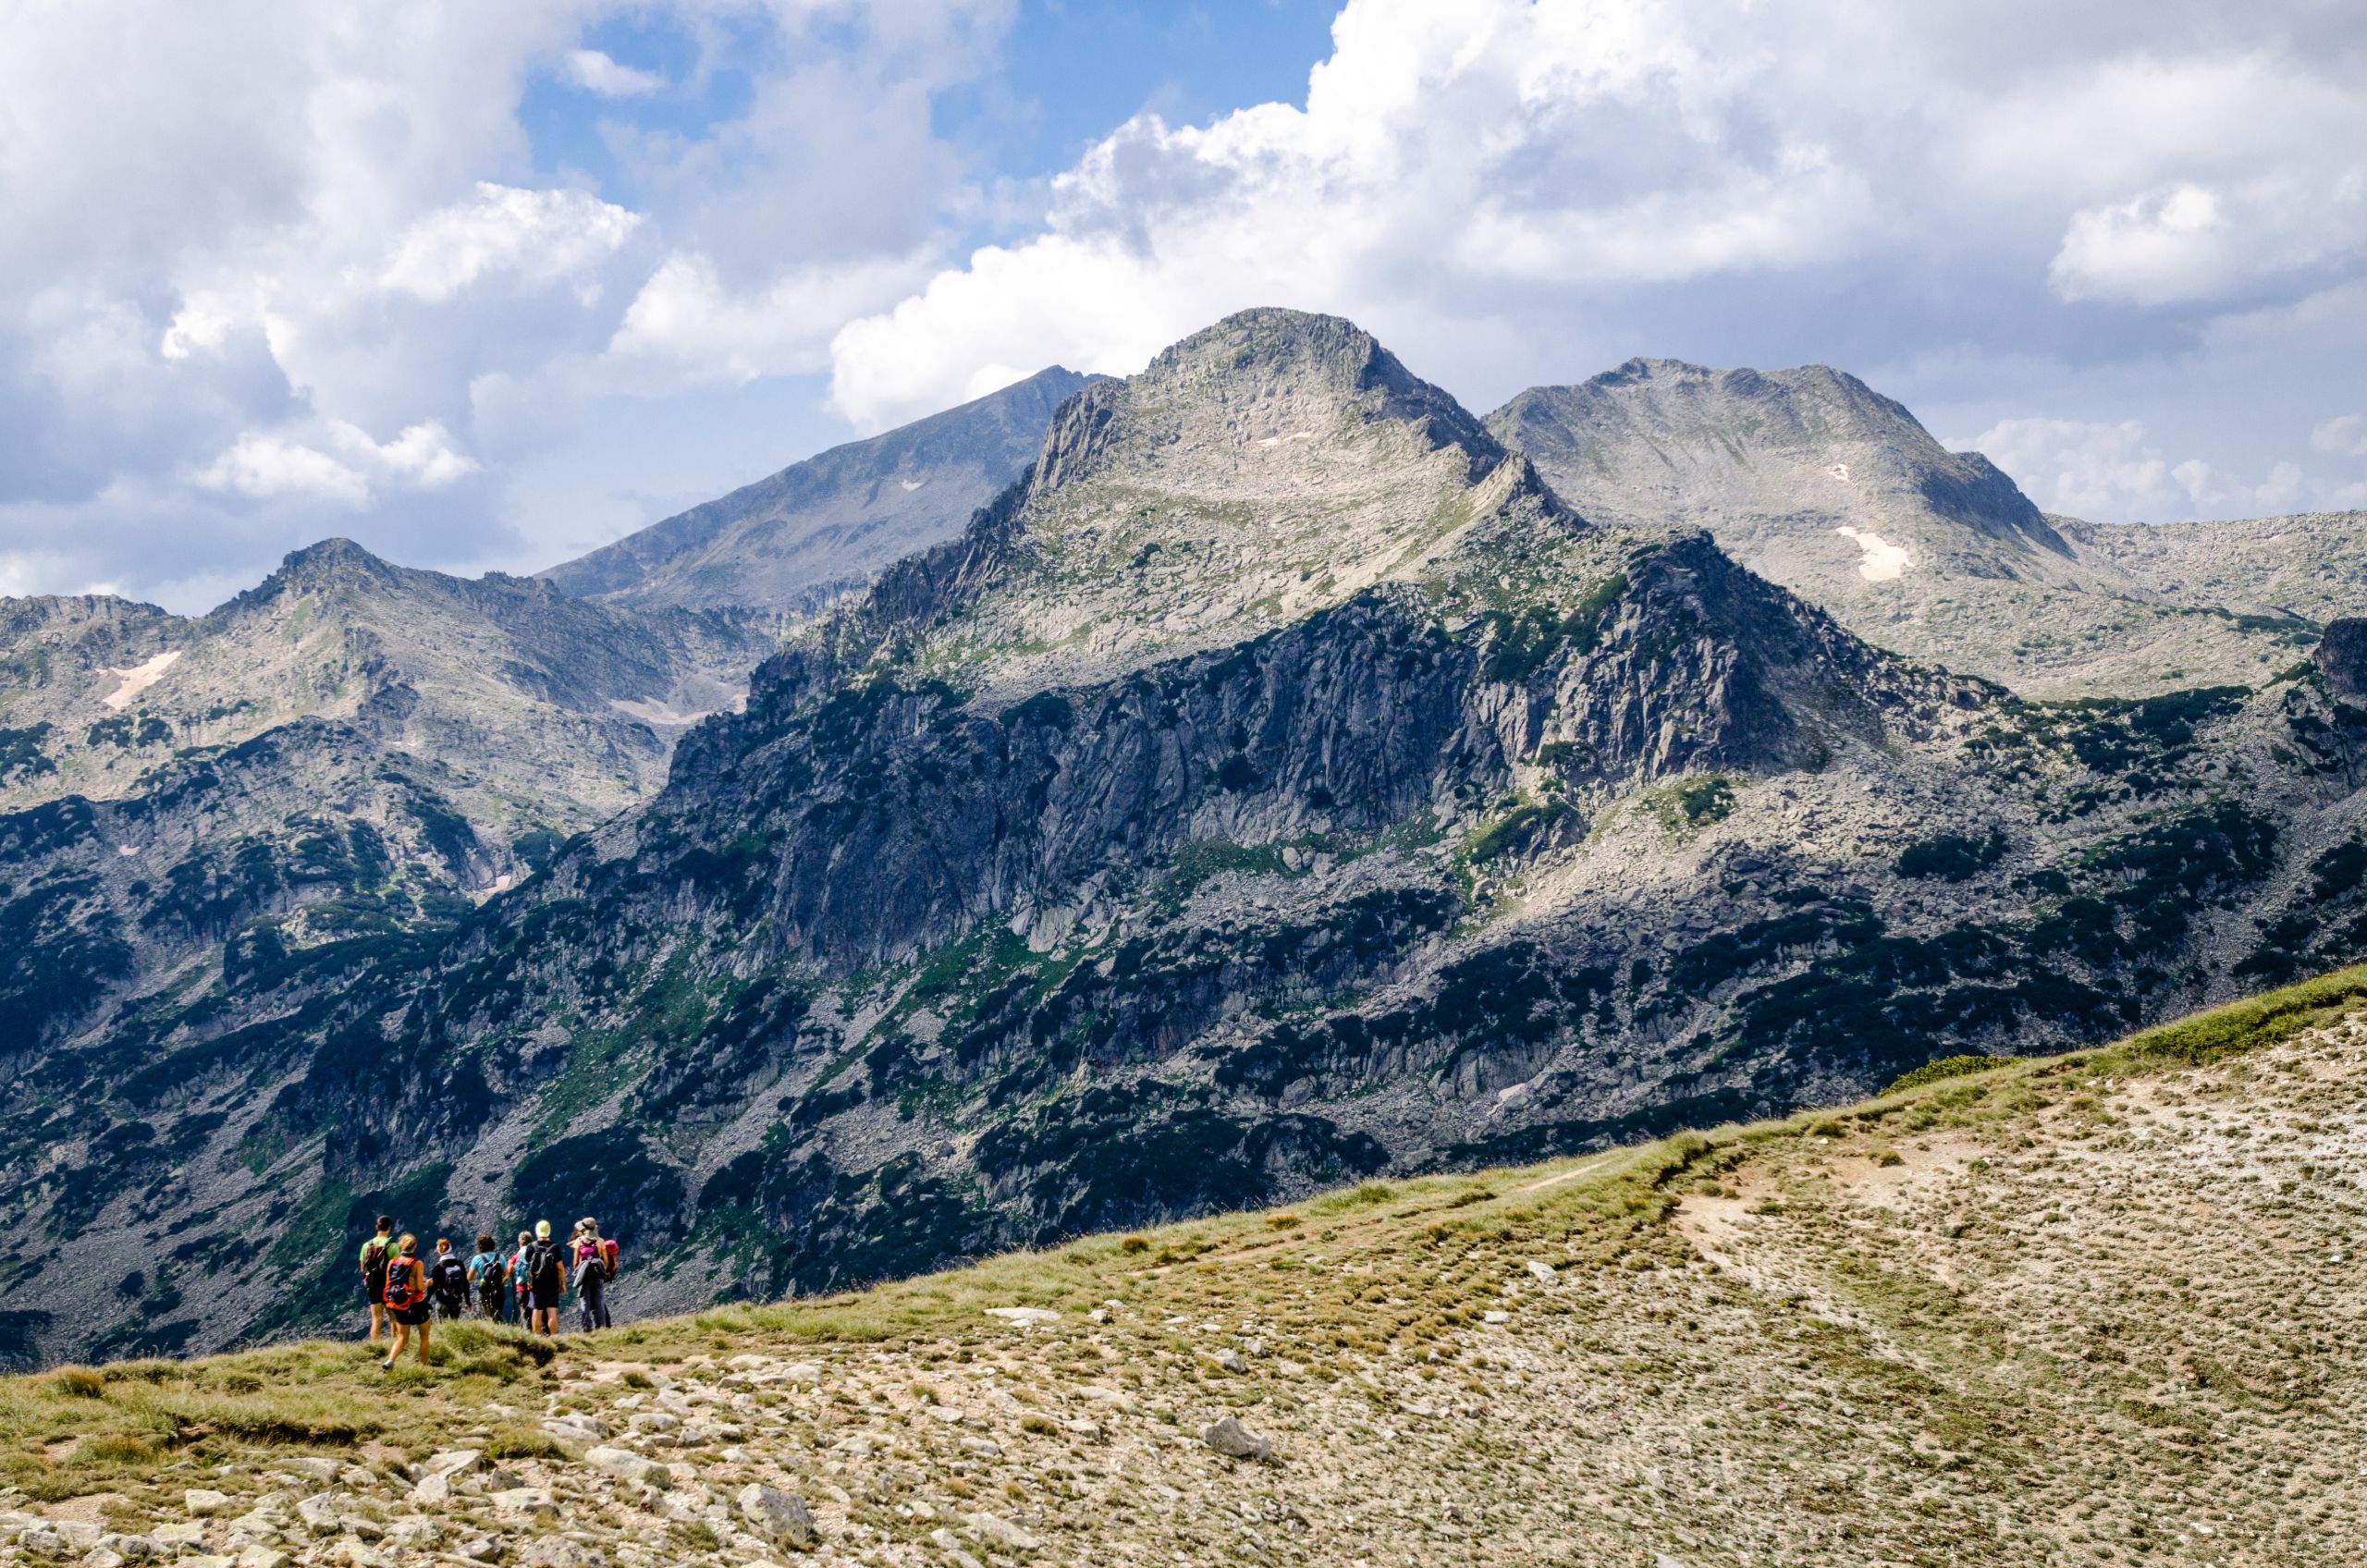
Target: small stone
(180, 1531)
(1495, 1318)
(1229, 1438)
(260, 1556)
(803, 1372)
(654, 1421)
(575, 1429)
(951, 1416)
(203, 1501)
(996, 1530)
(312, 1467)
(524, 1502)
(944, 1539)
(1231, 1361)
(628, 1465)
(779, 1517)
(483, 1549)
(434, 1490)
(102, 1557)
(453, 1462)
(320, 1512)
(207, 1560)
(1026, 1317)
(985, 1448)
(43, 1542)
(1541, 1271)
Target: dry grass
(2075, 1309)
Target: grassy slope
(2079, 1308)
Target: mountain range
(1287, 777)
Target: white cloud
(595, 72)
(2084, 467)
(272, 466)
(540, 235)
(267, 468)
(2344, 436)
(2115, 472)
(686, 328)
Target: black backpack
(451, 1277)
(380, 1250)
(542, 1263)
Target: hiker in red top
(407, 1299)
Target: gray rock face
(2341, 657)
(1814, 481)
(1281, 786)
(830, 524)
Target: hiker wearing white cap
(546, 1278)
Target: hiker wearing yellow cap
(545, 1278)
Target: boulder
(628, 1465)
(201, 1500)
(2341, 657)
(1229, 1438)
(779, 1517)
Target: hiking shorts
(373, 1295)
(546, 1294)
(413, 1317)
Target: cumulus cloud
(2115, 472)
(595, 72)
(323, 222)
(539, 237)
(274, 228)
(2344, 436)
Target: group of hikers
(406, 1291)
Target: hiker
(489, 1281)
(522, 1287)
(594, 1267)
(376, 1253)
(447, 1279)
(545, 1278)
(407, 1300)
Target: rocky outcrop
(2341, 657)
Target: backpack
(487, 1271)
(376, 1252)
(451, 1277)
(608, 1258)
(542, 1263)
(406, 1284)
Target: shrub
(1946, 1068)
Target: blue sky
(485, 288)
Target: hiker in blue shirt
(488, 1281)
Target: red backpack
(406, 1284)
(609, 1257)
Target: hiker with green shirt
(377, 1253)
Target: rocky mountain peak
(1245, 406)
(824, 527)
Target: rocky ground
(2088, 1309)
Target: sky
(485, 287)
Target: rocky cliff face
(1279, 784)
(1816, 482)
(825, 526)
